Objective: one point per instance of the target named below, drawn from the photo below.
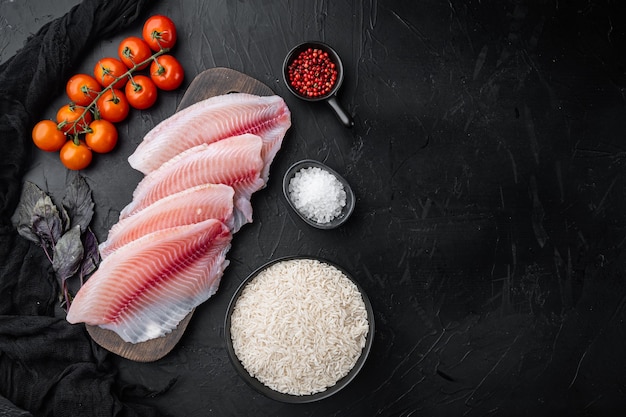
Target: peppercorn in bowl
(313, 71)
(318, 194)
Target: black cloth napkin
(48, 367)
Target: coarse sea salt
(317, 194)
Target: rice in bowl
(299, 326)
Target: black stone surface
(487, 160)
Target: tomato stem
(91, 107)
(160, 69)
(156, 35)
(136, 87)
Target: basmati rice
(299, 326)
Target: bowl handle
(343, 116)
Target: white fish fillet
(192, 205)
(211, 120)
(145, 290)
(167, 253)
(235, 161)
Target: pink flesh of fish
(145, 290)
(212, 120)
(234, 161)
(193, 205)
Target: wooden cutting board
(212, 82)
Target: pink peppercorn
(312, 73)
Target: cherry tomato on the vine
(133, 51)
(141, 92)
(75, 156)
(82, 89)
(102, 136)
(166, 72)
(159, 32)
(73, 119)
(113, 106)
(108, 69)
(47, 136)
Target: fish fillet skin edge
(192, 205)
(212, 120)
(235, 161)
(144, 291)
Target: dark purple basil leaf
(26, 231)
(78, 202)
(24, 214)
(46, 221)
(48, 230)
(91, 257)
(65, 219)
(67, 255)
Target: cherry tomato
(107, 70)
(159, 32)
(73, 119)
(102, 136)
(141, 92)
(113, 106)
(166, 72)
(75, 156)
(82, 89)
(133, 51)
(47, 136)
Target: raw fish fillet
(145, 290)
(193, 205)
(235, 161)
(211, 120)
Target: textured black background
(487, 160)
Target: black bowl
(287, 398)
(332, 54)
(350, 200)
(331, 96)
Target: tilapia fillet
(211, 120)
(167, 253)
(145, 290)
(192, 205)
(234, 161)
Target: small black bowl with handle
(329, 95)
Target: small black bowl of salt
(318, 194)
